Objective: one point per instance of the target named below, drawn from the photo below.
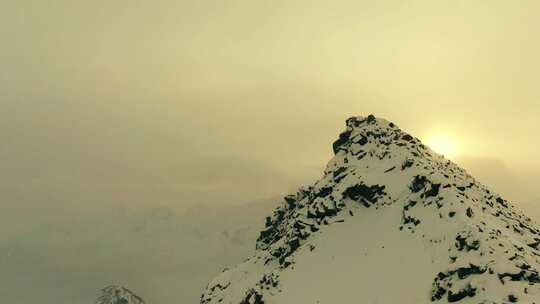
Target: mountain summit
(390, 221)
(118, 295)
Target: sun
(442, 144)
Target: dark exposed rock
(409, 205)
(502, 202)
(464, 272)
(438, 293)
(409, 219)
(535, 244)
(360, 139)
(343, 139)
(339, 173)
(407, 164)
(433, 191)
(407, 137)
(469, 212)
(466, 292)
(252, 297)
(524, 275)
(418, 183)
(268, 281)
(390, 169)
(361, 191)
(291, 200)
(324, 192)
(267, 235)
(321, 211)
(443, 283)
(294, 244)
(467, 243)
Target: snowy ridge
(118, 295)
(389, 222)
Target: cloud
(165, 256)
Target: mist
(134, 134)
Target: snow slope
(389, 222)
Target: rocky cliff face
(390, 221)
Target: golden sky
(145, 99)
(202, 104)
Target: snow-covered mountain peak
(387, 200)
(118, 295)
(379, 136)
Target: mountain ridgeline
(390, 221)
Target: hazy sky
(182, 103)
(167, 101)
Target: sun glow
(442, 144)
